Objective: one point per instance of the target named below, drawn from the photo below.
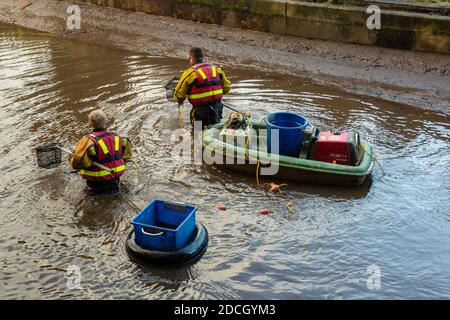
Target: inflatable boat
(311, 164)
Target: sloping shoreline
(411, 78)
(402, 24)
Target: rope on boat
(257, 172)
(248, 155)
(259, 162)
(138, 171)
(373, 157)
(229, 123)
(381, 167)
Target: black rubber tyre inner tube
(188, 254)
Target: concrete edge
(342, 23)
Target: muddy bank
(411, 78)
(418, 27)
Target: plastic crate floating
(164, 226)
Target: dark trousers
(103, 187)
(207, 114)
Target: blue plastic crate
(165, 226)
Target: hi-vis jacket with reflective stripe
(103, 147)
(203, 84)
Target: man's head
(195, 56)
(97, 119)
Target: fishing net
(48, 155)
(170, 88)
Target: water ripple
(321, 250)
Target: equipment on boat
(237, 129)
(167, 233)
(49, 156)
(310, 135)
(237, 120)
(290, 126)
(336, 147)
(252, 157)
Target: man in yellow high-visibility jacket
(204, 85)
(104, 147)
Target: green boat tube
(244, 157)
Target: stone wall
(424, 27)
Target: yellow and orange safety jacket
(203, 84)
(104, 147)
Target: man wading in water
(204, 84)
(106, 148)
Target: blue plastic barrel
(290, 126)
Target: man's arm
(84, 152)
(183, 85)
(226, 84)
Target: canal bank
(411, 26)
(412, 78)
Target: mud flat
(414, 78)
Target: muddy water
(399, 223)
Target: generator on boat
(310, 135)
(336, 147)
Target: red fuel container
(337, 147)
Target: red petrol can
(336, 147)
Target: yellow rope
(180, 116)
(373, 157)
(381, 167)
(247, 151)
(257, 173)
(247, 141)
(138, 171)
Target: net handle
(98, 165)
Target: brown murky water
(400, 223)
